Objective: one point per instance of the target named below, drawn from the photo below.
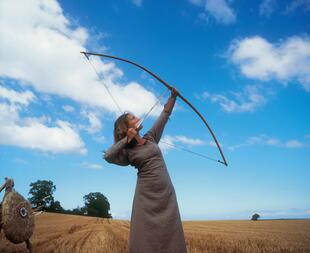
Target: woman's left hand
(174, 92)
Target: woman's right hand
(131, 133)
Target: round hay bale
(17, 218)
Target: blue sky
(243, 64)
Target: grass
(69, 233)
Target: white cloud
(92, 166)
(265, 140)
(168, 142)
(12, 96)
(94, 122)
(59, 139)
(68, 108)
(188, 141)
(294, 144)
(137, 3)
(267, 7)
(218, 9)
(247, 100)
(42, 48)
(285, 61)
(32, 133)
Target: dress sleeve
(158, 127)
(117, 154)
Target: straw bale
(17, 218)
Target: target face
(23, 212)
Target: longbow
(170, 88)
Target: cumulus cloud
(61, 138)
(265, 140)
(286, 61)
(12, 96)
(249, 99)
(42, 48)
(218, 9)
(33, 133)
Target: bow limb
(2, 187)
(170, 88)
(209, 128)
(133, 63)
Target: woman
(156, 225)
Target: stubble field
(77, 234)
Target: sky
(245, 66)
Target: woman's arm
(158, 127)
(117, 154)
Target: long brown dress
(156, 225)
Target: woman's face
(133, 121)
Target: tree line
(41, 192)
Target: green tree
(97, 205)
(255, 216)
(42, 193)
(79, 210)
(55, 207)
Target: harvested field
(77, 234)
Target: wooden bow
(170, 88)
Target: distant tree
(79, 211)
(42, 193)
(55, 207)
(255, 216)
(96, 204)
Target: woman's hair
(121, 127)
